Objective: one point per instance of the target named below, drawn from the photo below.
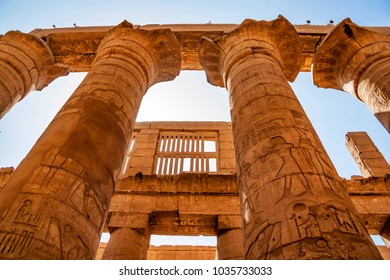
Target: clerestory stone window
(179, 152)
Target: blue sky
(189, 97)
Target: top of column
(345, 54)
(158, 50)
(26, 52)
(277, 39)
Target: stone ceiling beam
(77, 46)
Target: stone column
(129, 236)
(55, 204)
(293, 203)
(230, 244)
(127, 244)
(26, 63)
(356, 60)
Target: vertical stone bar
(127, 244)
(293, 203)
(26, 63)
(55, 204)
(356, 60)
(370, 160)
(230, 244)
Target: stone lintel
(372, 205)
(171, 223)
(77, 46)
(182, 126)
(185, 204)
(368, 186)
(182, 183)
(371, 196)
(370, 160)
(128, 219)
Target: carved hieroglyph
(56, 202)
(356, 60)
(26, 63)
(293, 202)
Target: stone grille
(179, 152)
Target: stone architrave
(26, 63)
(356, 60)
(293, 202)
(55, 204)
(370, 160)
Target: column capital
(26, 63)
(157, 51)
(229, 221)
(35, 55)
(356, 60)
(345, 54)
(277, 39)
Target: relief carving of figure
(62, 242)
(345, 222)
(24, 214)
(305, 221)
(285, 167)
(309, 219)
(28, 214)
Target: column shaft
(293, 203)
(127, 244)
(56, 202)
(230, 244)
